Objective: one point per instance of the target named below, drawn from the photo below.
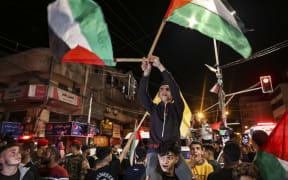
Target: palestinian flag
(212, 18)
(215, 88)
(217, 125)
(134, 144)
(78, 32)
(272, 159)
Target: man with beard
(76, 165)
(10, 158)
(199, 166)
(42, 144)
(52, 170)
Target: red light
(25, 137)
(268, 123)
(266, 80)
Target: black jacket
(174, 111)
(28, 173)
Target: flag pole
(151, 49)
(221, 95)
(157, 38)
(129, 60)
(89, 118)
(142, 120)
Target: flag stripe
(276, 142)
(133, 145)
(85, 12)
(82, 55)
(284, 164)
(62, 22)
(217, 7)
(270, 166)
(210, 24)
(174, 4)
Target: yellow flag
(187, 115)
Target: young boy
(168, 155)
(165, 117)
(199, 166)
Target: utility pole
(89, 118)
(221, 93)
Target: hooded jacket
(26, 173)
(165, 119)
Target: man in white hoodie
(10, 158)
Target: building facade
(279, 100)
(35, 88)
(254, 109)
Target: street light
(200, 115)
(227, 112)
(246, 127)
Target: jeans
(182, 170)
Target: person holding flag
(166, 117)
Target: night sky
(133, 25)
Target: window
(277, 104)
(276, 93)
(17, 116)
(62, 86)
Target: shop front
(56, 132)
(14, 128)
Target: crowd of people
(160, 159)
(25, 160)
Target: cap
(42, 142)
(77, 142)
(103, 152)
(85, 147)
(8, 145)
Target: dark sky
(133, 25)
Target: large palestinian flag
(78, 32)
(212, 18)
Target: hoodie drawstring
(164, 121)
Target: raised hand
(156, 62)
(146, 67)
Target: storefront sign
(116, 131)
(37, 91)
(68, 129)
(12, 127)
(15, 93)
(20, 92)
(55, 129)
(101, 141)
(64, 96)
